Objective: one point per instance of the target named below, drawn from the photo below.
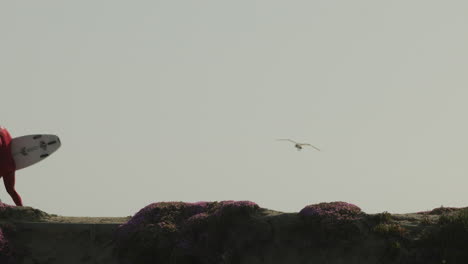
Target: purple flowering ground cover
(334, 211)
(185, 231)
(242, 232)
(332, 222)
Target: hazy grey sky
(184, 100)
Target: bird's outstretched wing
(286, 139)
(307, 144)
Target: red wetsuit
(7, 166)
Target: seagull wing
(307, 144)
(286, 139)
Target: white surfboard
(29, 150)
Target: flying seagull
(299, 145)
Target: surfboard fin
(43, 146)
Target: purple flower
(339, 211)
(162, 212)
(193, 230)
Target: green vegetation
(449, 239)
(381, 218)
(384, 217)
(389, 230)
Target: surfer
(7, 166)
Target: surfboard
(29, 150)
